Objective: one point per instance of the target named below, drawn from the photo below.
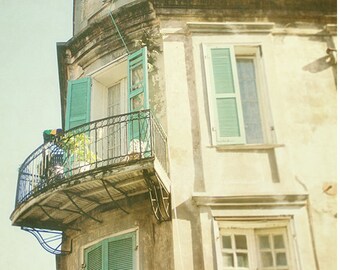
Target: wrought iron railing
(94, 146)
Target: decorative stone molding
(306, 5)
(230, 27)
(331, 29)
(251, 201)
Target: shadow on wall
(329, 60)
(319, 64)
(189, 212)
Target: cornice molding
(230, 27)
(331, 29)
(251, 201)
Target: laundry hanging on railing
(50, 134)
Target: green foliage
(79, 146)
(150, 38)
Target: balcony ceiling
(58, 208)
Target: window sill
(246, 147)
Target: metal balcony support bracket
(115, 202)
(58, 224)
(118, 189)
(51, 241)
(81, 211)
(159, 198)
(47, 214)
(64, 209)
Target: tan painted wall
(301, 92)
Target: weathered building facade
(197, 135)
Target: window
(114, 253)
(112, 91)
(234, 89)
(85, 96)
(254, 248)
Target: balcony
(96, 165)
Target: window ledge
(246, 147)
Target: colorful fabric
(49, 134)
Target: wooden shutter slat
(227, 117)
(121, 252)
(95, 259)
(226, 96)
(223, 76)
(78, 103)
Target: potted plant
(78, 155)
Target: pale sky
(29, 104)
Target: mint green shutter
(94, 258)
(116, 253)
(227, 97)
(121, 252)
(138, 97)
(78, 103)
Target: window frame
(238, 51)
(253, 228)
(273, 231)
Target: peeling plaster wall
(153, 239)
(308, 100)
(87, 11)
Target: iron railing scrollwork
(93, 146)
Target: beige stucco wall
(311, 136)
(301, 93)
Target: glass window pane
(114, 100)
(241, 241)
(264, 241)
(278, 241)
(281, 259)
(226, 241)
(137, 78)
(242, 259)
(250, 105)
(137, 102)
(267, 259)
(228, 259)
